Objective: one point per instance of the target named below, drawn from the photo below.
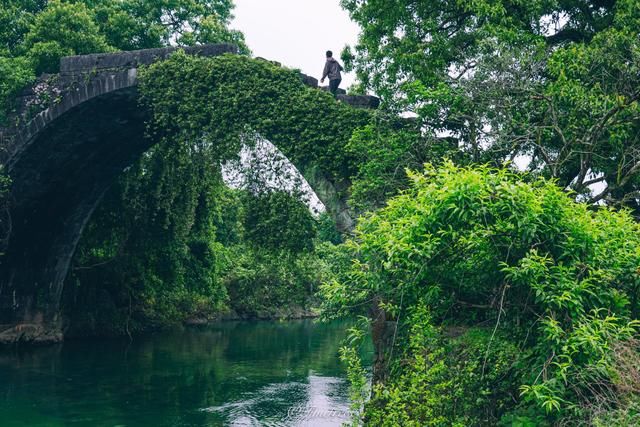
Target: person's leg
(333, 86)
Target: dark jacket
(332, 69)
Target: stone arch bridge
(74, 133)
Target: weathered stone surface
(330, 195)
(309, 81)
(133, 59)
(360, 101)
(30, 333)
(339, 92)
(276, 63)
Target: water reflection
(240, 374)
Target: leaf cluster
(483, 247)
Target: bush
(486, 247)
(16, 74)
(266, 282)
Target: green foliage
(629, 415)
(277, 220)
(15, 18)
(357, 377)
(122, 25)
(35, 34)
(267, 283)
(552, 84)
(482, 246)
(229, 221)
(382, 151)
(273, 270)
(62, 29)
(131, 24)
(327, 231)
(151, 246)
(16, 74)
(410, 46)
(215, 98)
(171, 242)
(465, 381)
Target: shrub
(487, 247)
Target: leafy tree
(382, 151)
(413, 45)
(549, 85)
(278, 220)
(15, 18)
(149, 255)
(268, 283)
(125, 25)
(62, 29)
(133, 24)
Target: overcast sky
(296, 32)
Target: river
(226, 374)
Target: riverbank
(289, 313)
(39, 334)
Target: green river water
(235, 374)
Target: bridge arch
(62, 160)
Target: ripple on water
(325, 404)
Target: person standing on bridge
(332, 70)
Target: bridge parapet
(99, 62)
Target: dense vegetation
(552, 85)
(35, 34)
(171, 242)
(500, 282)
(508, 300)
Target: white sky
(296, 33)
